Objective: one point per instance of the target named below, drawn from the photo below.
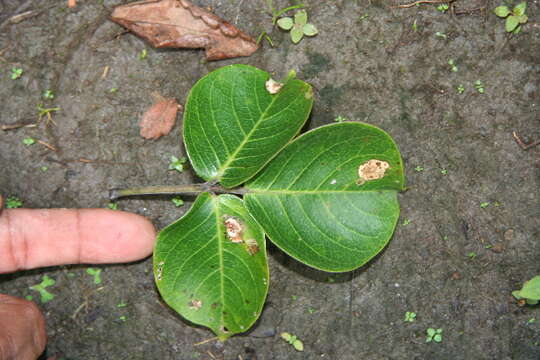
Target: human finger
(31, 238)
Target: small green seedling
(177, 163)
(29, 297)
(530, 291)
(340, 118)
(143, 54)
(177, 201)
(471, 255)
(414, 26)
(311, 310)
(121, 305)
(410, 316)
(293, 340)
(113, 90)
(434, 335)
(460, 89)
(453, 65)
(484, 204)
(44, 168)
(43, 111)
(514, 18)
(28, 141)
(123, 318)
(41, 288)
(294, 297)
(488, 246)
(443, 8)
(13, 202)
(16, 73)
(479, 86)
(96, 273)
(298, 26)
(444, 172)
(531, 321)
(440, 35)
(112, 206)
(48, 94)
(362, 17)
(419, 168)
(406, 222)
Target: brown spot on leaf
(273, 86)
(195, 304)
(234, 229)
(160, 118)
(251, 246)
(180, 24)
(371, 170)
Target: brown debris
(180, 24)
(159, 119)
(372, 170)
(234, 229)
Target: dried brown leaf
(159, 119)
(180, 24)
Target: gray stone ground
(373, 68)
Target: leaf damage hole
(272, 86)
(195, 304)
(234, 228)
(251, 246)
(371, 170)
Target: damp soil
(469, 228)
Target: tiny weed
(177, 201)
(113, 90)
(414, 26)
(112, 206)
(16, 73)
(293, 340)
(444, 172)
(484, 205)
(298, 26)
(28, 141)
(406, 222)
(488, 246)
(43, 111)
(479, 86)
(362, 17)
(264, 35)
(123, 318)
(143, 54)
(294, 297)
(460, 89)
(13, 202)
(340, 118)
(177, 163)
(44, 168)
(443, 8)
(440, 35)
(121, 305)
(410, 316)
(531, 321)
(418, 168)
(48, 94)
(45, 296)
(311, 310)
(453, 65)
(29, 297)
(471, 255)
(96, 273)
(277, 13)
(514, 18)
(434, 335)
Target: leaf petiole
(188, 189)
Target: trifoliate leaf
(286, 23)
(300, 18)
(310, 30)
(502, 11)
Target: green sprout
(440, 35)
(112, 206)
(177, 163)
(177, 201)
(443, 8)
(143, 54)
(13, 202)
(362, 17)
(121, 305)
(96, 273)
(294, 297)
(28, 141)
(406, 222)
(409, 316)
(311, 310)
(471, 255)
(41, 288)
(453, 65)
(444, 171)
(484, 204)
(530, 291)
(415, 26)
(460, 89)
(48, 94)
(488, 246)
(298, 27)
(16, 73)
(293, 340)
(340, 118)
(434, 335)
(531, 321)
(113, 90)
(419, 168)
(122, 318)
(44, 168)
(514, 18)
(479, 86)
(29, 297)
(43, 111)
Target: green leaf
(233, 126)
(310, 205)
(300, 18)
(310, 30)
(530, 290)
(502, 11)
(520, 8)
(296, 34)
(511, 23)
(209, 277)
(523, 19)
(298, 345)
(285, 23)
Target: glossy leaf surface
(233, 126)
(207, 277)
(309, 203)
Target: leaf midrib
(216, 205)
(317, 192)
